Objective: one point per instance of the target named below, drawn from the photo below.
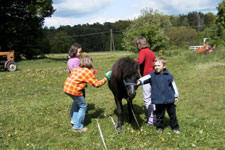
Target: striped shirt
(78, 80)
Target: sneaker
(149, 123)
(176, 131)
(81, 130)
(151, 120)
(72, 123)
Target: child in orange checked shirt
(74, 85)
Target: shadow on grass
(138, 110)
(166, 122)
(92, 113)
(3, 70)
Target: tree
(211, 33)
(182, 36)
(150, 25)
(174, 20)
(61, 42)
(196, 20)
(182, 20)
(209, 19)
(220, 21)
(21, 25)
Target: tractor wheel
(11, 66)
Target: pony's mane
(127, 66)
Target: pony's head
(124, 78)
(130, 76)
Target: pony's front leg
(119, 113)
(130, 108)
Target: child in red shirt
(146, 61)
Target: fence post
(112, 45)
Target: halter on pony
(129, 83)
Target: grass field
(34, 112)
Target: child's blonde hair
(86, 61)
(161, 59)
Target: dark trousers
(160, 114)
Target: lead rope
(100, 131)
(135, 118)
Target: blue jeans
(73, 107)
(79, 108)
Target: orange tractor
(7, 61)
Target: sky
(74, 12)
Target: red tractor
(7, 61)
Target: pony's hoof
(118, 128)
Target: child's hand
(138, 82)
(176, 100)
(94, 71)
(108, 74)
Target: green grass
(34, 112)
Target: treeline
(22, 30)
(92, 37)
(179, 31)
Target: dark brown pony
(123, 85)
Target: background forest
(22, 30)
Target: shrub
(181, 36)
(150, 25)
